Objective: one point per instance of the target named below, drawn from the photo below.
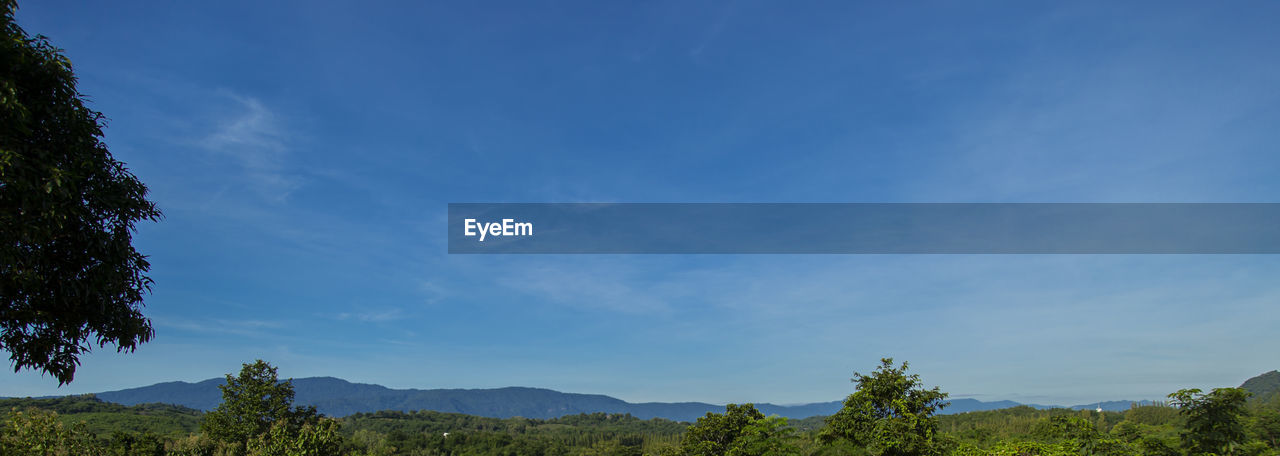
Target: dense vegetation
(889, 413)
(429, 432)
(103, 418)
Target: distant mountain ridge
(337, 397)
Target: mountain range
(337, 397)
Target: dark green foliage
(1154, 415)
(1146, 429)
(135, 444)
(1214, 421)
(256, 412)
(715, 433)
(1015, 422)
(1150, 430)
(426, 421)
(1066, 427)
(891, 414)
(812, 423)
(740, 431)
(1082, 433)
(68, 269)
(1265, 427)
(603, 433)
(251, 403)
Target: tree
(1083, 434)
(740, 431)
(714, 433)
(68, 269)
(254, 402)
(769, 436)
(1214, 420)
(889, 414)
(319, 439)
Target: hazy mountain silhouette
(337, 397)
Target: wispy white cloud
(255, 128)
(433, 291)
(247, 327)
(586, 284)
(1132, 122)
(374, 316)
(253, 137)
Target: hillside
(106, 417)
(1264, 387)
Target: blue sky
(304, 154)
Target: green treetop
(1214, 420)
(740, 431)
(252, 404)
(890, 414)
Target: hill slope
(1264, 387)
(105, 417)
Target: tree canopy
(256, 417)
(889, 414)
(252, 402)
(68, 270)
(740, 431)
(1214, 420)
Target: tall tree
(68, 269)
(1214, 420)
(740, 431)
(890, 414)
(252, 403)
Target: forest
(890, 413)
